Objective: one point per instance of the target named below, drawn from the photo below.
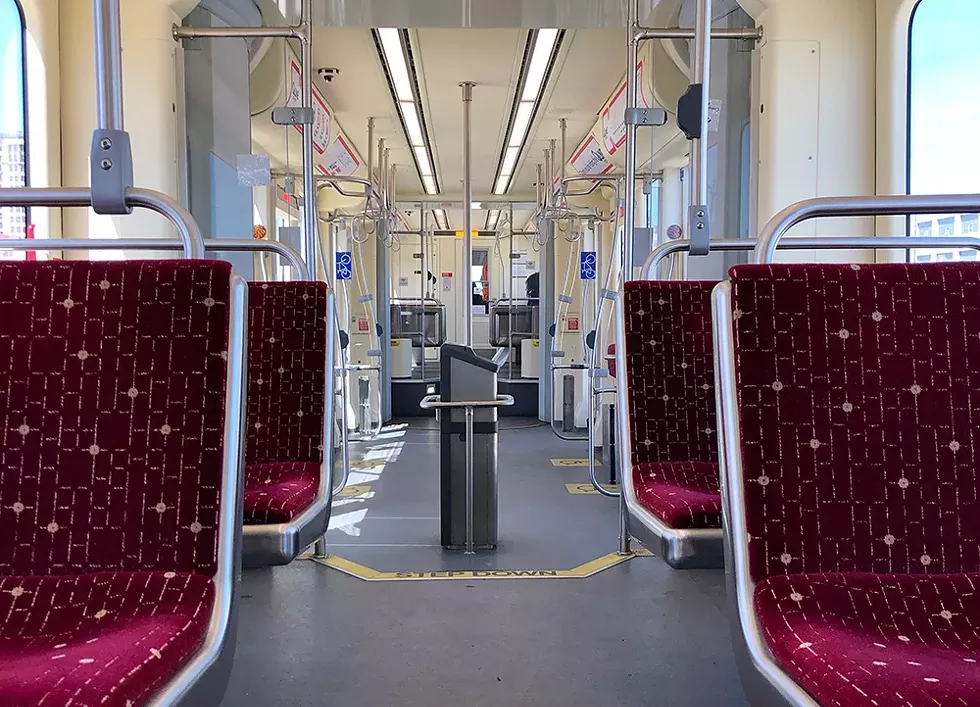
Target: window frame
(25, 114)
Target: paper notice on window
(590, 159)
(614, 116)
(321, 114)
(340, 160)
(714, 114)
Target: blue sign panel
(589, 265)
(345, 266)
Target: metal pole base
(320, 548)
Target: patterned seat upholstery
(277, 493)
(112, 392)
(857, 387)
(669, 356)
(286, 382)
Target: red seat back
(670, 371)
(858, 388)
(112, 391)
(287, 360)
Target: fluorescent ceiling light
(442, 221)
(430, 184)
(503, 181)
(422, 157)
(540, 58)
(412, 124)
(391, 43)
(492, 220)
(522, 121)
(510, 161)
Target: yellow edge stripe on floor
(581, 572)
(589, 489)
(570, 462)
(354, 491)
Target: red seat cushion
(681, 494)
(107, 639)
(277, 493)
(864, 639)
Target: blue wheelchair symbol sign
(589, 265)
(345, 266)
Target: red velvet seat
(670, 374)
(684, 494)
(98, 639)
(286, 379)
(876, 639)
(277, 493)
(112, 399)
(860, 535)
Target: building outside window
(943, 153)
(13, 119)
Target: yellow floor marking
(569, 462)
(364, 464)
(354, 492)
(367, 574)
(589, 489)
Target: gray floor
(636, 634)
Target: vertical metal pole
(467, 278)
(108, 65)
(701, 60)
(539, 191)
(389, 205)
(382, 186)
(423, 290)
(370, 160)
(629, 218)
(310, 214)
(546, 182)
(469, 482)
(554, 168)
(564, 155)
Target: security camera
(328, 73)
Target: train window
(13, 120)
(943, 151)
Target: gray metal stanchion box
(468, 376)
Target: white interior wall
(816, 111)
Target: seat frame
(274, 544)
(693, 548)
(765, 683)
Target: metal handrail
(435, 402)
(209, 245)
(903, 205)
(57, 197)
(648, 272)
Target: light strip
(510, 161)
(391, 43)
(542, 54)
(412, 124)
(493, 218)
(401, 71)
(522, 121)
(543, 45)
